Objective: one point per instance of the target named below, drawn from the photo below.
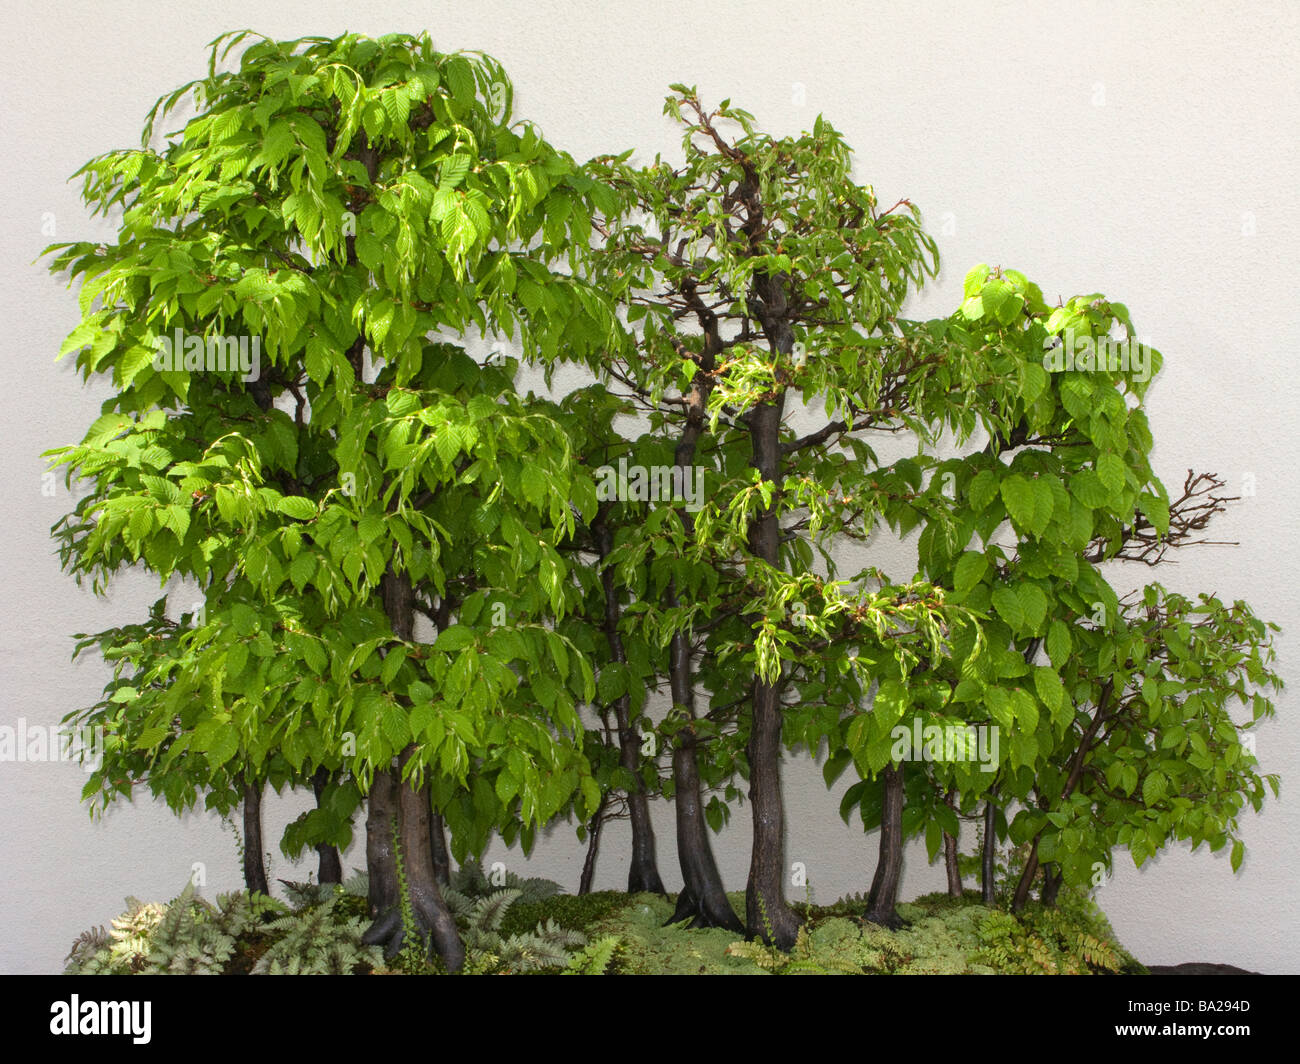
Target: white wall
(1120, 148)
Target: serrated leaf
(968, 572)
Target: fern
(317, 941)
(547, 946)
(595, 958)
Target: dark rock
(1196, 968)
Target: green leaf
(1033, 602)
(892, 700)
(296, 506)
(982, 489)
(1019, 498)
(1009, 606)
(534, 484)
(1154, 787)
(456, 637)
(1050, 689)
(1113, 473)
(969, 571)
(1087, 487)
(1156, 510)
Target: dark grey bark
(593, 846)
(765, 906)
(889, 867)
(989, 855)
(702, 900)
(1052, 878)
(413, 807)
(381, 857)
(438, 844)
(950, 864)
(643, 871)
(330, 867)
(254, 866)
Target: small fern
(595, 958)
(317, 941)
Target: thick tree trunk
(254, 867)
(702, 900)
(381, 857)
(950, 863)
(331, 868)
(414, 811)
(989, 855)
(593, 847)
(765, 905)
(643, 871)
(889, 867)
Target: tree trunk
(951, 866)
(593, 846)
(381, 858)
(702, 900)
(643, 871)
(1052, 877)
(414, 811)
(989, 855)
(254, 867)
(331, 868)
(889, 866)
(1026, 879)
(438, 844)
(765, 905)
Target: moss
(578, 912)
(943, 935)
(649, 948)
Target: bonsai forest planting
(453, 609)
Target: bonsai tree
(791, 279)
(291, 430)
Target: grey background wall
(1147, 151)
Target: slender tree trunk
(643, 871)
(989, 855)
(765, 904)
(1052, 878)
(889, 866)
(438, 844)
(951, 865)
(254, 867)
(593, 846)
(331, 868)
(1026, 879)
(414, 811)
(1072, 781)
(702, 900)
